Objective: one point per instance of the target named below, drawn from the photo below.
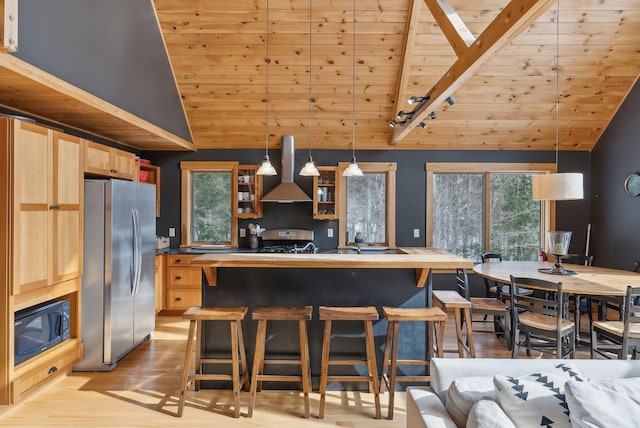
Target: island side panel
(316, 287)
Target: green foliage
(458, 217)
(211, 206)
(367, 207)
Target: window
(367, 204)
(207, 197)
(477, 208)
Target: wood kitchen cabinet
(325, 194)
(47, 207)
(41, 240)
(183, 283)
(249, 192)
(147, 173)
(160, 268)
(109, 162)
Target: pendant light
(353, 170)
(266, 168)
(309, 169)
(558, 186)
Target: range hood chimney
(287, 190)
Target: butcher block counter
(418, 258)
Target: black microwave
(38, 328)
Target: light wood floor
(142, 392)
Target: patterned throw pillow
(536, 400)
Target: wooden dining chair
(539, 317)
(498, 310)
(581, 304)
(492, 288)
(618, 337)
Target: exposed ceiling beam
(454, 29)
(516, 17)
(415, 8)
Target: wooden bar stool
(366, 314)
(234, 315)
(449, 300)
(434, 319)
(271, 313)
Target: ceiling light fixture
(266, 168)
(557, 186)
(422, 125)
(450, 101)
(415, 99)
(353, 170)
(309, 169)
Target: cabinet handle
(113, 170)
(178, 277)
(178, 260)
(178, 299)
(52, 370)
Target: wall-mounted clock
(632, 185)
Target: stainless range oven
(287, 241)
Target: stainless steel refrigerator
(118, 286)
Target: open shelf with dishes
(148, 173)
(325, 194)
(249, 192)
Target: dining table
(591, 281)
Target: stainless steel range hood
(287, 190)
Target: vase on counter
(253, 240)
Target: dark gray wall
(410, 189)
(111, 49)
(615, 216)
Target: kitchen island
(258, 279)
(420, 259)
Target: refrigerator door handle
(137, 252)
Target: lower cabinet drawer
(183, 299)
(184, 276)
(40, 370)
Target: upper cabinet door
(32, 187)
(47, 207)
(67, 221)
(109, 161)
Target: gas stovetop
(291, 241)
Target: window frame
(186, 169)
(387, 168)
(548, 207)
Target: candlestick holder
(558, 241)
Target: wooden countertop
(419, 258)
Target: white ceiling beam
(516, 17)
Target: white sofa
(426, 406)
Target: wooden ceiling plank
(511, 21)
(452, 26)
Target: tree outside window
(367, 204)
(477, 208)
(207, 198)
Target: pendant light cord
(353, 85)
(557, 81)
(310, 66)
(266, 87)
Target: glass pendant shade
(309, 169)
(557, 187)
(353, 170)
(266, 168)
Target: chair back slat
(547, 299)
(462, 283)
